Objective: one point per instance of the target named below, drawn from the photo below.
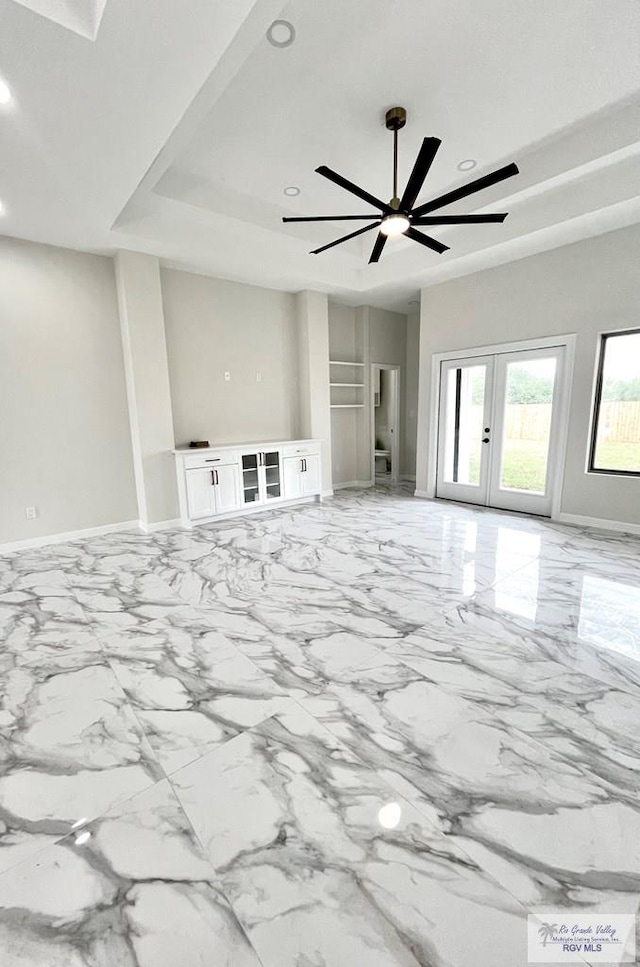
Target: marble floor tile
(70, 746)
(131, 889)
(467, 765)
(383, 718)
(323, 863)
(190, 687)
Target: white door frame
(395, 442)
(568, 340)
(459, 491)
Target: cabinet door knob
(485, 439)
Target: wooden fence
(619, 421)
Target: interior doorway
(499, 428)
(385, 422)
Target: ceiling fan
(399, 217)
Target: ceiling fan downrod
(395, 119)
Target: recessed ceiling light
(292, 191)
(5, 92)
(281, 33)
(467, 165)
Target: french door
(499, 429)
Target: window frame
(597, 400)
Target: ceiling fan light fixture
(394, 225)
(401, 215)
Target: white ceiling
(176, 130)
(81, 16)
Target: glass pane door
(527, 425)
(272, 474)
(499, 427)
(525, 430)
(250, 478)
(465, 408)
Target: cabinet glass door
(271, 460)
(250, 478)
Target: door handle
(213, 478)
(304, 465)
(485, 439)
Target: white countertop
(256, 445)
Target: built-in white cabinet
(301, 475)
(212, 490)
(216, 481)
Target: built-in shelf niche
(346, 384)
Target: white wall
(346, 425)
(388, 336)
(64, 431)
(411, 380)
(213, 326)
(148, 392)
(312, 325)
(375, 336)
(584, 289)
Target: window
(615, 440)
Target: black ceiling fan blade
(376, 252)
(469, 189)
(354, 189)
(330, 218)
(345, 238)
(431, 243)
(423, 162)
(459, 219)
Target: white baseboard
(326, 493)
(425, 495)
(159, 526)
(411, 477)
(125, 525)
(353, 483)
(600, 523)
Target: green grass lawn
(524, 464)
(619, 456)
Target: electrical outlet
(31, 513)
(227, 376)
(258, 377)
